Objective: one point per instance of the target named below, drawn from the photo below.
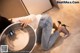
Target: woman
(43, 25)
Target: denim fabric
(44, 33)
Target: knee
(45, 47)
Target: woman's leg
(43, 24)
(53, 39)
(44, 32)
(47, 25)
(39, 34)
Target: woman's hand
(25, 22)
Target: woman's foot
(61, 28)
(64, 30)
(59, 22)
(54, 26)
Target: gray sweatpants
(44, 36)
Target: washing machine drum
(18, 39)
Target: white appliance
(36, 6)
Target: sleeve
(25, 18)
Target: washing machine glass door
(18, 39)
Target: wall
(54, 3)
(12, 8)
(37, 6)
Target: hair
(4, 22)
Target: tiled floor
(69, 14)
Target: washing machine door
(18, 39)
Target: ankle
(54, 26)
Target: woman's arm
(24, 20)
